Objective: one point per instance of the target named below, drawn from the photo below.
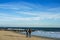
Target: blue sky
(31, 13)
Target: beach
(9, 35)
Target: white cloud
(54, 9)
(29, 19)
(6, 6)
(21, 6)
(50, 16)
(35, 15)
(15, 6)
(26, 13)
(12, 17)
(42, 15)
(39, 16)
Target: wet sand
(9, 35)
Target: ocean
(48, 34)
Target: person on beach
(29, 33)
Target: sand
(9, 35)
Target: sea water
(49, 34)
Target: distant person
(26, 32)
(29, 31)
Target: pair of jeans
(28, 34)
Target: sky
(30, 13)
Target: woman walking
(29, 32)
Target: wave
(47, 34)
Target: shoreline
(39, 36)
(46, 37)
(10, 35)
